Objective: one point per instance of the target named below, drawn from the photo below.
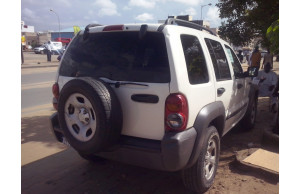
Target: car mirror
(251, 72)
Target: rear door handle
(220, 91)
(239, 86)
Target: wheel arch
(212, 114)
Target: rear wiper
(118, 84)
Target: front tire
(201, 175)
(249, 119)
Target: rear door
(136, 67)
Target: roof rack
(172, 21)
(87, 30)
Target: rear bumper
(172, 153)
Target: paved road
(36, 87)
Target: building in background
(28, 36)
(26, 28)
(64, 34)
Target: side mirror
(251, 72)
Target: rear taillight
(176, 112)
(55, 92)
(113, 28)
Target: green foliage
(273, 36)
(247, 19)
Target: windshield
(120, 56)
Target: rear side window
(120, 56)
(219, 60)
(195, 61)
(237, 68)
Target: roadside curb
(37, 66)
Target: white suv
(156, 96)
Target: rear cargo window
(120, 56)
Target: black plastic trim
(147, 144)
(236, 112)
(206, 115)
(55, 128)
(147, 98)
(172, 153)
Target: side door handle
(239, 86)
(220, 91)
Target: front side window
(195, 61)
(237, 68)
(219, 60)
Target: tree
(247, 19)
(273, 36)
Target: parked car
(40, 50)
(56, 50)
(151, 95)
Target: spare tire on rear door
(90, 115)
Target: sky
(81, 13)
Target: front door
(240, 87)
(225, 83)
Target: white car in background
(56, 48)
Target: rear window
(194, 58)
(120, 56)
(219, 60)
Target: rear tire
(200, 176)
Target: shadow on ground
(37, 129)
(66, 172)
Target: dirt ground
(233, 177)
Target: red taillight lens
(113, 28)
(176, 112)
(55, 92)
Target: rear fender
(211, 114)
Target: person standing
(267, 82)
(240, 56)
(255, 58)
(49, 50)
(268, 58)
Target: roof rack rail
(185, 23)
(92, 25)
(87, 29)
